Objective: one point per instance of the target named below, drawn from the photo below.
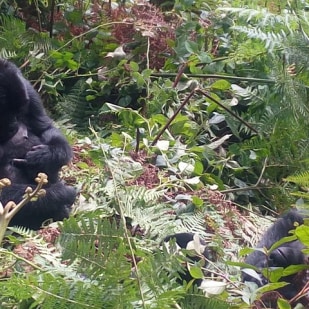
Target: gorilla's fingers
(19, 162)
(38, 147)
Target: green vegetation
(183, 116)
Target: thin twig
(138, 138)
(227, 110)
(51, 19)
(173, 117)
(254, 187)
(179, 74)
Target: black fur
(287, 254)
(29, 144)
(184, 241)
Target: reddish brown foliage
(149, 178)
(145, 21)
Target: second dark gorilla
(285, 255)
(29, 144)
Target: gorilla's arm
(49, 156)
(54, 149)
(21, 104)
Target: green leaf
(211, 179)
(283, 304)
(196, 272)
(160, 119)
(134, 66)
(271, 287)
(90, 97)
(82, 165)
(72, 64)
(67, 56)
(147, 73)
(191, 47)
(55, 54)
(274, 275)
(198, 202)
(116, 139)
(198, 168)
(139, 79)
(302, 233)
(125, 101)
(246, 250)
(221, 84)
(281, 242)
(204, 57)
(128, 116)
(293, 269)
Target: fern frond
(201, 302)
(123, 168)
(194, 222)
(301, 179)
(262, 15)
(264, 18)
(37, 41)
(91, 242)
(296, 49)
(302, 195)
(24, 232)
(49, 290)
(6, 54)
(271, 39)
(11, 30)
(74, 106)
(292, 94)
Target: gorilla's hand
(40, 159)
(38, 156)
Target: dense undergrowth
(184, 117)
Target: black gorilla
(187, 241)
(29, 144)
(287, 254)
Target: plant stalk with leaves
(8, 211)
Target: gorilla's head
(13, 90)
(14, 99)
